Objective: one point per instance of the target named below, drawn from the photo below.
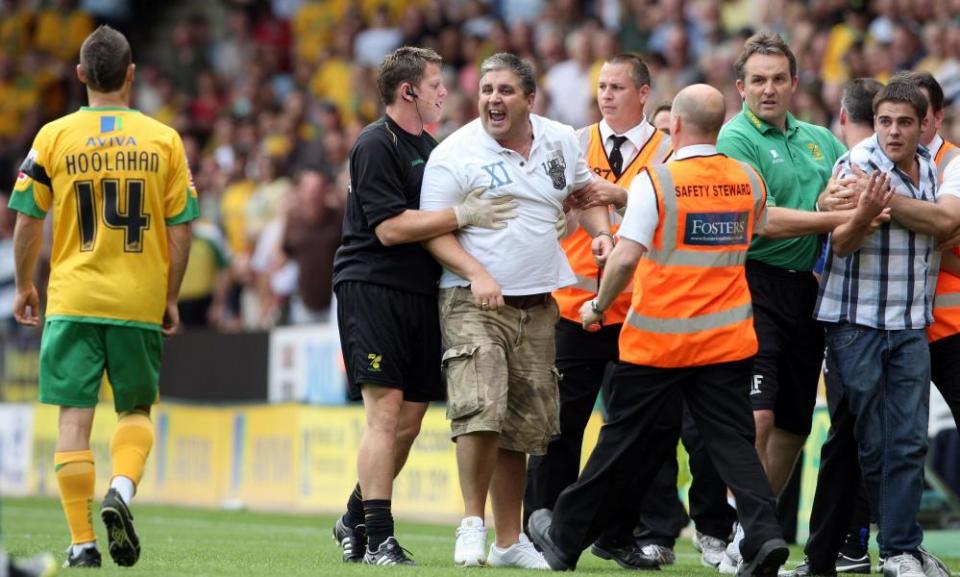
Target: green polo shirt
(795, 165)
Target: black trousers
(788, 502)
(945, 372)
(645, 413)
(839, 502)
(662, 516)
(583, 358)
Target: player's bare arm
(178, 245)
(27, 238)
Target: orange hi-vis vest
(694, 308)
(946, 304)
(577, 245)
(948, 151)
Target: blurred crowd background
(269, 96)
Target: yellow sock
(130, 446)
(77, 479)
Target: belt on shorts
(526, 301)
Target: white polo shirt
(525, 258)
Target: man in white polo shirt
(496, 313)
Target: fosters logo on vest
(716, 228)
(694, 306)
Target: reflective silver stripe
(663, 150)
(666, 326)
(757, 189)
(589, 284)
(945, 160)
(702, 258)
(946, 300)
(668, 193)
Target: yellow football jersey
(115, 179)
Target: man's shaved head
(701, 109)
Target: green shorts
(74, 355)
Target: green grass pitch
(197, 542)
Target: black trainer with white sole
(805, 570)
(852, 563)
(767, 562)
(628, 555)
(121, 536)
(388, 553)
(88, 557)
(352, 541)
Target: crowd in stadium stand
(269, 97)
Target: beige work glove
(561, 225)
(485, 212)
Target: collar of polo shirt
(695, 150)
(762, 126)
(881, 159)
(935, 145)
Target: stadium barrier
(299, 364)
(279, 450)
(287, 457)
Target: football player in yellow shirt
(122, 199)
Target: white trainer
(522, 554)
(731, 555)
(662, 554)
(711, 549)
(903, 565)
(470, 550)
(932, 566)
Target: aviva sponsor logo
(102, 142)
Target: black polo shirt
(386, 171)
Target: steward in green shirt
(793, 157)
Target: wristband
(606, 233)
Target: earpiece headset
(412, 97)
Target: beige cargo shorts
(499, 369)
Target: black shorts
(786, 370)
(390, 338)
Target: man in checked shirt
(875, 298)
